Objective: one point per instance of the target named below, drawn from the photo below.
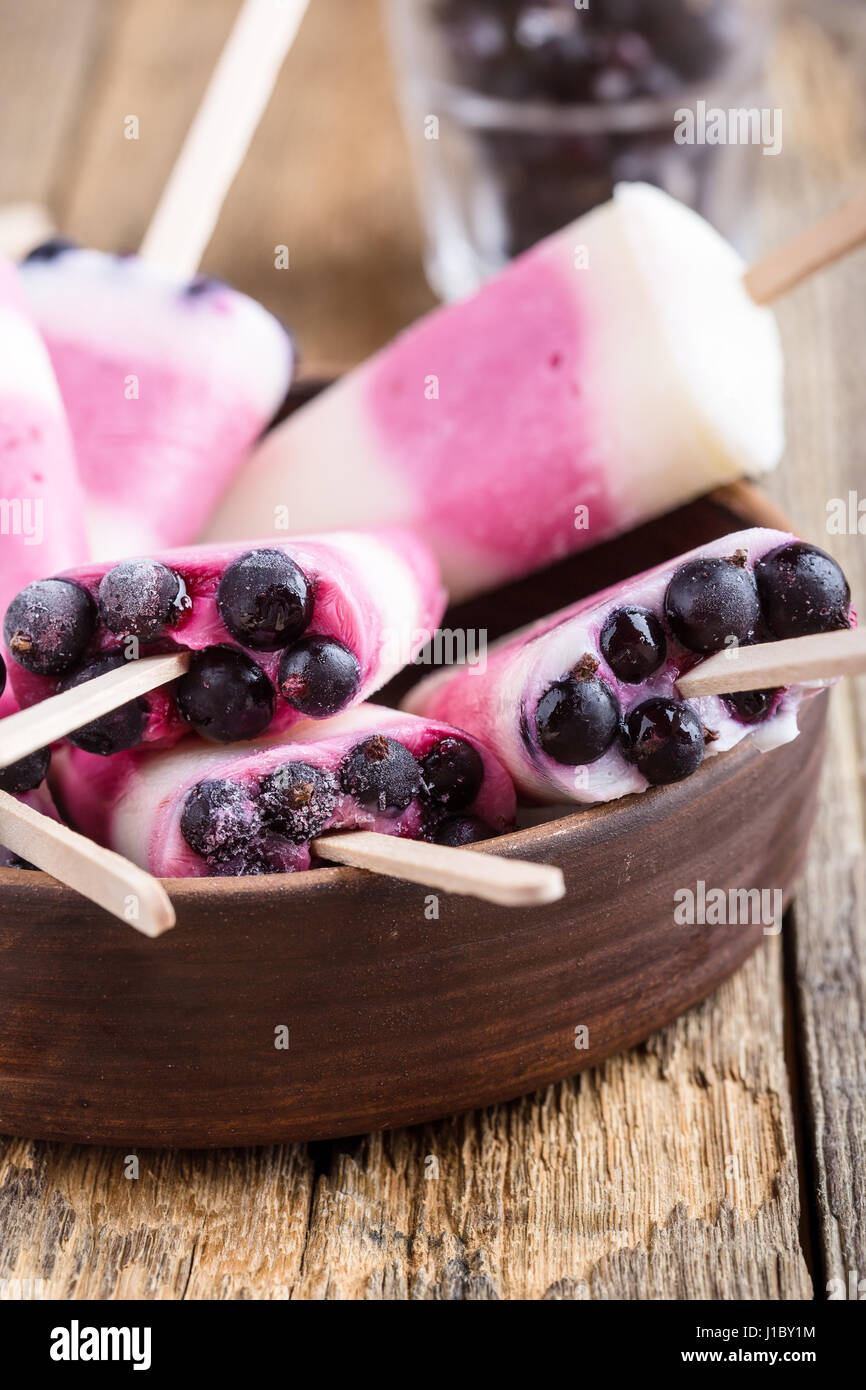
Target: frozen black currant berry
(225, 696)
(219, 819)
(48, 626)
(462, 830)
(710, 602)
(802, 590)
(381, 773)
(751, 706)
(633, 643)
(451, 774)
(577, 719)
(665, 740)
(265, 600)
(298, 800)
(319, 676)
(26, 774)
(141, 598)
(120, 729)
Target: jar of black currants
(523, 114)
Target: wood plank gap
(802, 1115)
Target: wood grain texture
(613, 1184)
(666, 1173)
(821, 72)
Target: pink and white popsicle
(198, 810)
(41, 503)
(583, 706)
(611, 373)
(281, 632)
(167, 384)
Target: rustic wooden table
(726, 1157)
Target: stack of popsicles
(612, 373)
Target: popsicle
(278, 632)
(167, 383)
(255, 808)
(41, 505)
(611, 373)
(583, 706)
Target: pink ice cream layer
(376, 592)
(167, 386)
(133, 802)
(497, 701)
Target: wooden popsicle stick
(509, 882)
(107, 879)
(222, 129)
(31, 729)
(819, 245)
(793, 661)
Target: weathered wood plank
(152, 72)
(823, 323)
(670, 1172)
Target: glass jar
(524, 114)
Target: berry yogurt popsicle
(583, 706)
(280, 632)
(613, 372)
(198, 811)
(167, 384)
(41, 502)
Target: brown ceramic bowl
(396, 1015)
